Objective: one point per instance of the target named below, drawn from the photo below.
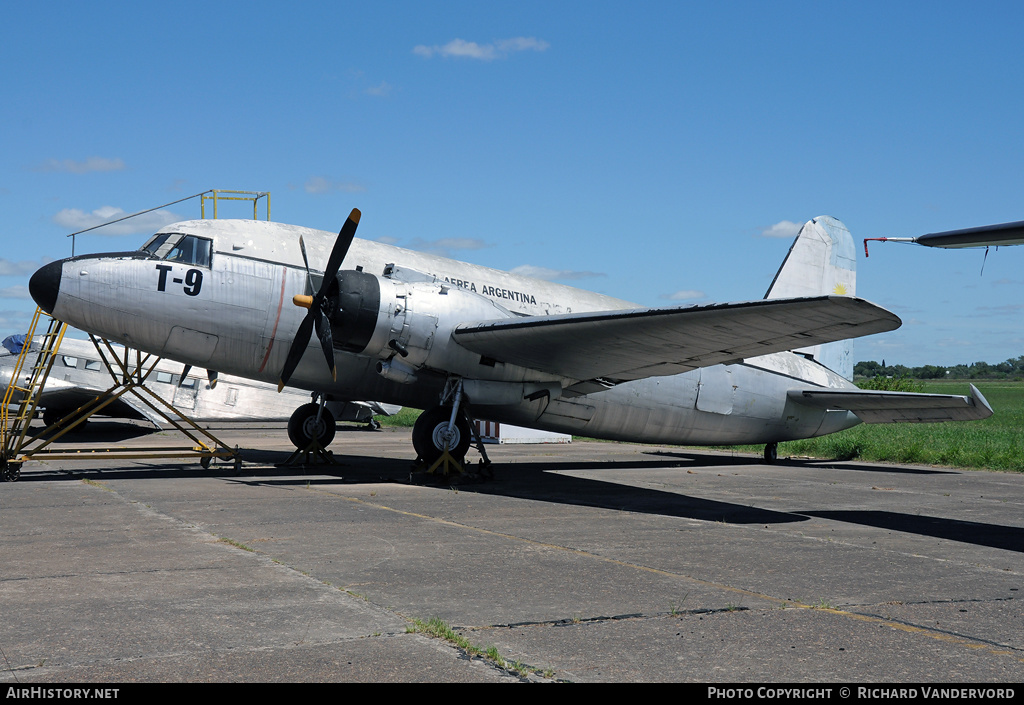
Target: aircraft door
(185, 395)
(716, 391)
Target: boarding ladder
(23, 397)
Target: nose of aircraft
(45, 285)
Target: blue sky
(645, 150)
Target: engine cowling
(398, 319)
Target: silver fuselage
(236, 316)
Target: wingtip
(979, 398)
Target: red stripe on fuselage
(273, 333)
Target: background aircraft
(429, 332)
(984, 236)
(78, 375)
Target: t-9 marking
(193, 280)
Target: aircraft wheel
(11, 471)
(303, 426)
(428, 435)
(771, 453)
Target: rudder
(821, 261)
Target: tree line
(1010, 369)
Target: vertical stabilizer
(822, 261)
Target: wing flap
(619, 346)
(872, 406)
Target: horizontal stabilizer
(873, 406)
(618, 346)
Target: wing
(64, 398)
(609, 347)
(988, 235)
(873, 406)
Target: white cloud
(461, 49)
(445, 245)
(547, 274)
(381, 90)
(75, 220)
(14, 292)
(685, 295)
(784, 228)
(14, 320)
(17, 269)
(321, 184)
(76, 167)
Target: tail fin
(822, 261)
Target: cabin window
(69, 361)
(165, 377)
(93, 365)
(176, 247)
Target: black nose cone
(45, 285)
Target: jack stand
(449, 463)
(314, 453)
(484, 466)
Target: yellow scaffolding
(216, 195)
(129, 378)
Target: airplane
(985, 236)
(245, 297)
(79, 375)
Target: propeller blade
(316, 316)
(184, 373)
(211, 375)
(341, 245)
(323, 331)
(295, 351)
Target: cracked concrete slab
(586, 562)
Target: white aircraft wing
(872, 406)
(64, 397)
(617, 346)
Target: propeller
(318, 315)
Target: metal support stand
(313, 454)
(129, 378)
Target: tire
(303, 428)
(428, 435)
(771, 453)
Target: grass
(439, 629)
(993, 443)
(403, 419)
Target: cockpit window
(175, 247)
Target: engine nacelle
(398, 317)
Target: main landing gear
(431, 436)
(442, 435)
(771, 453)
